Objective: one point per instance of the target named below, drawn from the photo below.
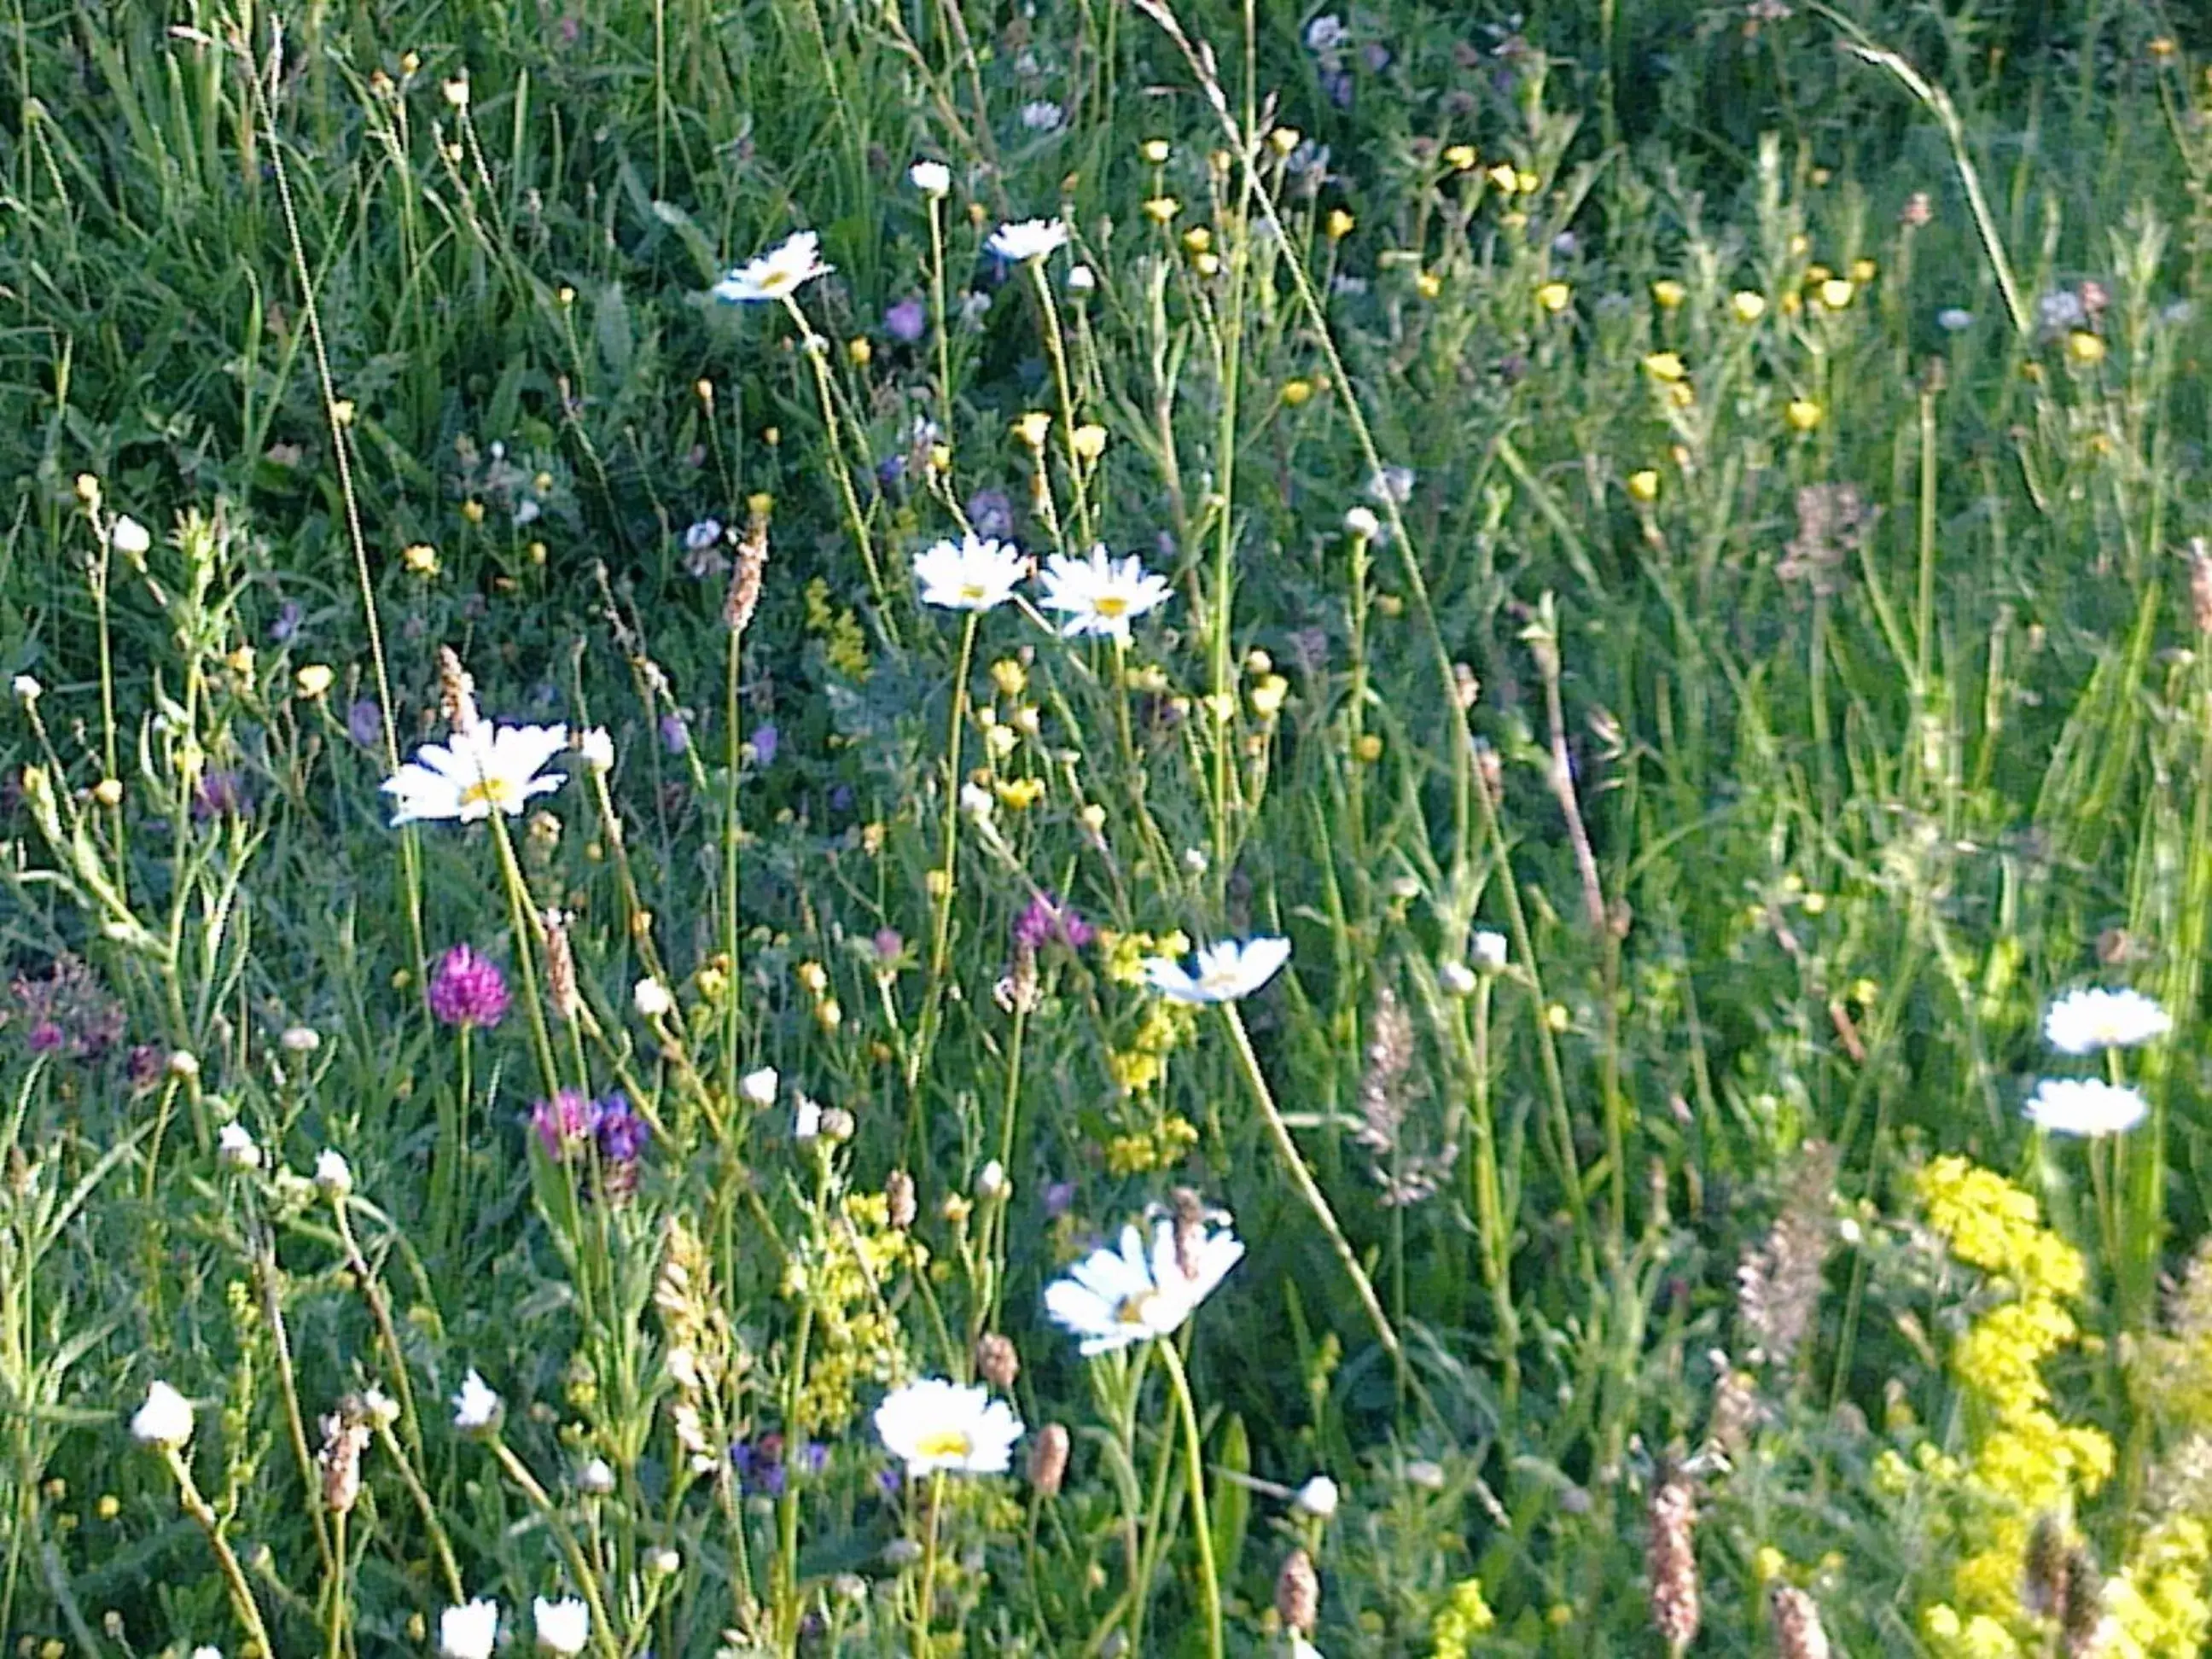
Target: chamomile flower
(777, 274)
(974, 574)
(165, 1420)
(1101, 594)
(1112, 1299)
(2085, 1106)
(1227, 972)
(564, 1627)
(1030, 239)
(485, 767)
(477, 1406)
(2083, 1022)
(935, 1424)
(468, 1631)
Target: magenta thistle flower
(467, 989)
(566, 1123)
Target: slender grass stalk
(926, 1591)
(1308, 1189)
(941, 923)
(580, 1565)
(242, 1603)
(1209, 1584)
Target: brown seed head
(1298, 1594)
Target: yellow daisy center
(943, 1443)
(1111, 604)
(1135, 1310)
(974, 593)
(496, 792)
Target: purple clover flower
(766, 741)
(222, 792)
(675, 735)
(1048, 922)
(623, 1133)
(565, 1123)
(907, 321)
(365, 723)
(467, 988)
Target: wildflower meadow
(1105, 828)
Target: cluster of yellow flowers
(2023, 1463)
(844, 646)
(1158, 1146)
(1463, 1616)
(846, 1278)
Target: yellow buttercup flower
(1460, 158)
(1162, 209)
(1668, 294)
(1748, 307)
(2085, 347)
(1555, 297)
(1339, 224)
(1802, 414)
(1836, 293)
(1644, 485)
(1666, 366)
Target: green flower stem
(1209, 1583)
(334, 1621)
(1056, 349)
(816, 350)
(941, 927)
(379, 1310)
(603, 1635)
(936, 288)
(527, 942)
(1309, 1190)
(448, 1568)
(928, 1585)
(233, 1576)
(296, 1423)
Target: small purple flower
(1059, 1199)
(890, 945)
(675, 736)
(1045, 922)
(761, 1465)
(565, 1122)
(286, 628)
(222, 792)
(766, 741)
(147, 1064)
(907, 321)
(707, 533)
(68, 1012)
(45, 1038)
(467, 989)
(991, 513)
(622, 1133)
(365, 723)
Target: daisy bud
(1457, 978)
(333, 1175)
(651, 999)
(1048, 1460)
(1489, 949)
(1362, 523)
(234, 1148)
(596, 1478)
(1317, 1497)
(1298, 1594)
(837, 1124)
(26, 689)
(129, 537)
(758, 1088)
(992, 1184)
(468, 1631)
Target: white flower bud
(1317, 1497)
(165, 1420)
(758, 1088)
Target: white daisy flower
(931, 177)
(208, 1652)
(129, 537)
(564, 1627)
(1101, 594)
(1112, 1299)
(1490, 951)
(651, 999)
(2085, 1106)
(974, 574)
(477, 1406)
(776, 275)
(333, 1175)
(2083, 1022)
(1227, 972)
(1031, 239)
(469, 1631)
(758, 1088)
(234, 1146)
(485, 767)
(26, 687)
(936, 1425)
(165, 1420)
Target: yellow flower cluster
(1137, 1066)
(1121, 956)
(844, 646)
(2024, 1462)
(2157, 1605)
(845, 1278)
(1159, 1147)
(1463, 1616)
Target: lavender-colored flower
(762, 1466)
(147, 1064)
(45, 1038)
(365, 723)
(766, 741)
(1059, 1199)
(467, 988)
(222, 792)
(991, 514)
(907, 321)
(1047, 921)
(623, 1133)
(68, 1012)
(565, 1122)
(890, 945)
(675, 735)
(286, 628)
